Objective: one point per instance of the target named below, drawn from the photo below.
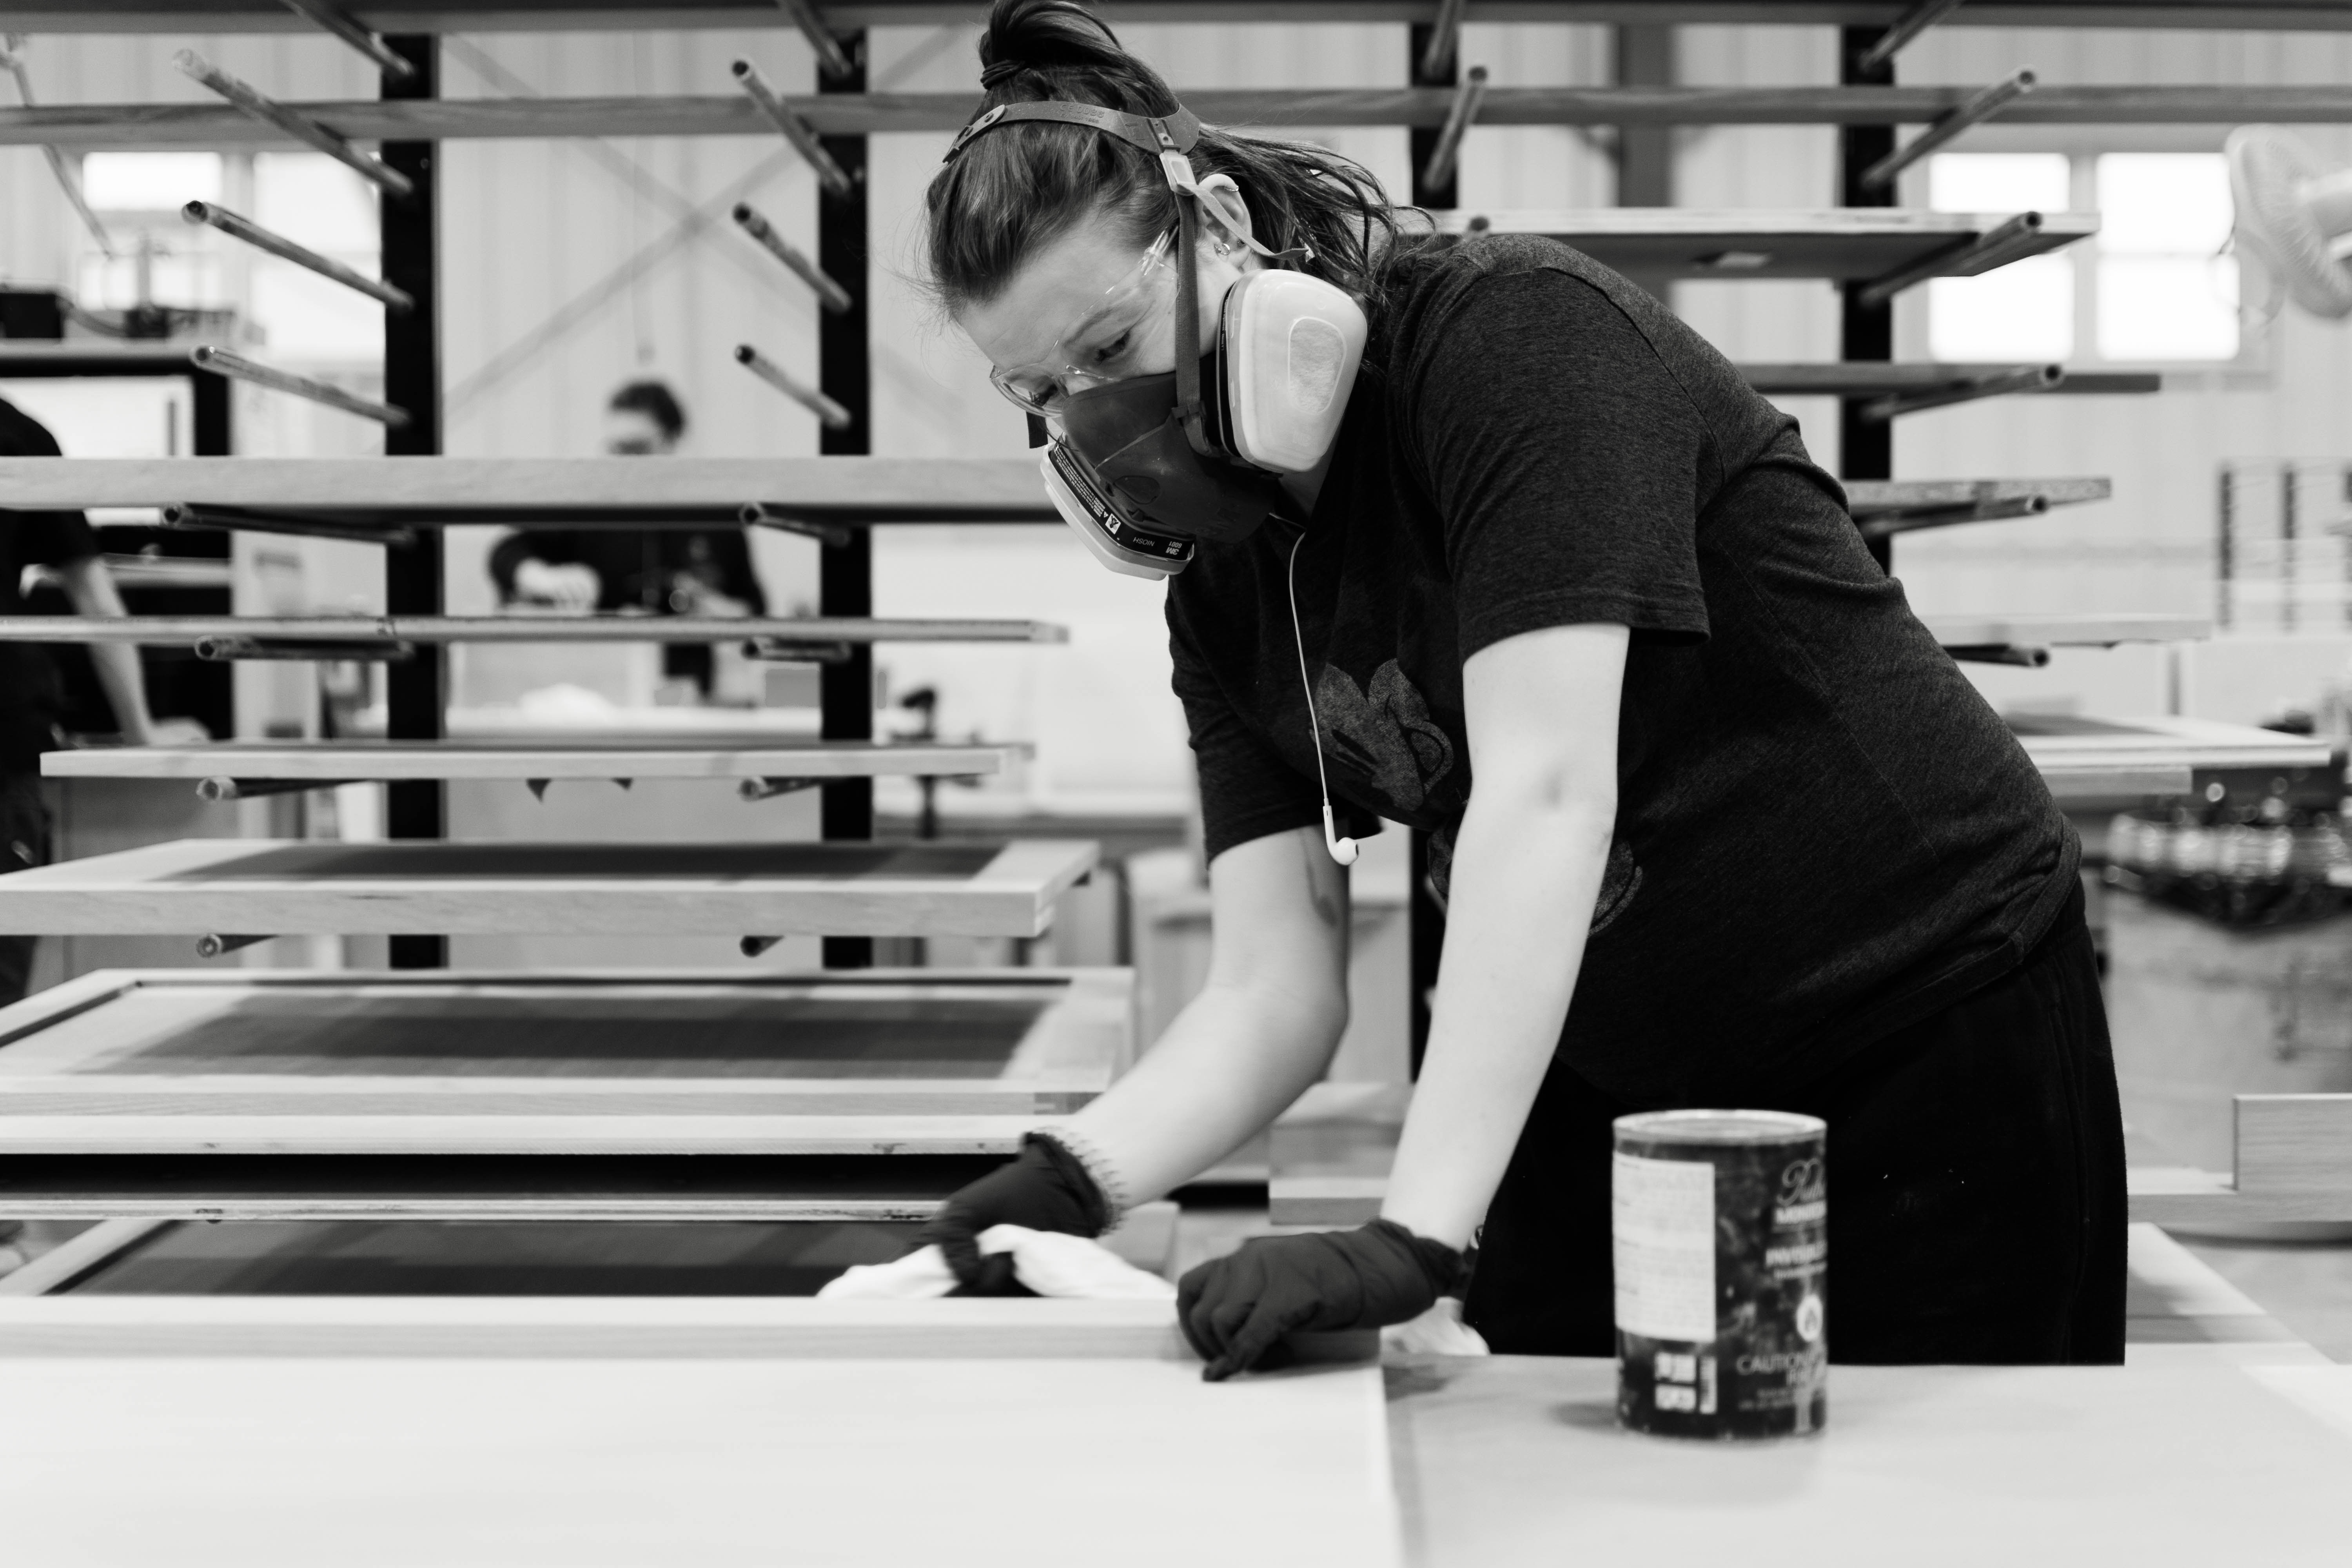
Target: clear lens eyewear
(1116, 337)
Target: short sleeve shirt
(1823, 831)
(30, 693)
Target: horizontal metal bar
(1922, 15)
(223, 362)
(2001, 653)
(294, 123)
(235, 519)
(833, 415)
(1884, 525)
(768, 789)
(2025, 378)
(220, 788)
(167, 630)
(328, 18)
(796, 129)
(761, 514)
(1439, 170)
(212, 944)
(830, 294)
(1975, 112)
(277, 245)
(236, 649)
(777, 650)
(1971, 257)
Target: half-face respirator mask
(1144, 466)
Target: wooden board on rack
(554, 758)
(413, 1257)
(1841, 244)
(2083, 758)
(606, 15)
(2066, 631)
(154, 1045)
(1332, 1154)
(219, 126)
(464, 887)
(1863, 378)
(1874, 499)
(420, 491)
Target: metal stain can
(1720, 1243)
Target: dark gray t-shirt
(1823, 831)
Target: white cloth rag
(1048, 1262)
(1438, 1331)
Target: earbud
(1343, 850)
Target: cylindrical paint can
(1720, 1233)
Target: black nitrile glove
(1044, 1188)
(1235, 1310)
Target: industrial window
(2154, 289)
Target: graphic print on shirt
(1385, 736)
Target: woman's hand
(1235, 1310)
(1044, 1188)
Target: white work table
(2222, 1439)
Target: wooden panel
(479, 488)
(2298, 1145)
(551, 758)
(2084, 757)
(874, 1183)
(183, 630)
(1869, 499)
(562, 1327)
(2066, 631)
(1844, 243)
(2184, 1456)
(860, 1455)
(536, 1259)
(765, 890)
(161, 1043)
(1332, 1152)
(1833, 379)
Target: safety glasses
(1117, 335)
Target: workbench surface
(1088, 1438)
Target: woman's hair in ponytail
(1013, 190)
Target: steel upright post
(416, 689)
(1865, 448)
(846, 571)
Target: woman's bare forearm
(1529, 861)
(1523, 888)
(1261, 1030)
(1231, 1062)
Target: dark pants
(24, 841)
(1976, 1188)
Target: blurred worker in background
(661, 571)
(60, 545)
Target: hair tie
(992, 75)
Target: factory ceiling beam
(565, 16)
(96, 125)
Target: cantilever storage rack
(937, 1067)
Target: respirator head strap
(1182, 128)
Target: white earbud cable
(1343, 850)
